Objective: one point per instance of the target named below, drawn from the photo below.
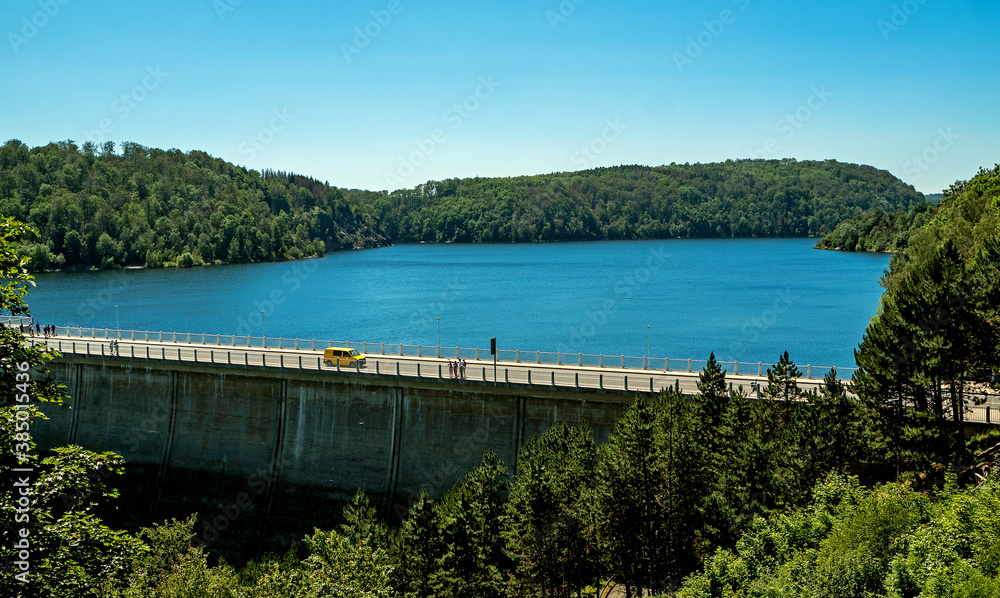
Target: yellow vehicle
(344, 356)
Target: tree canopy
(150, 207)
(736, 198)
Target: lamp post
(263, 332)
(649, 340)
(118, 325)
(439, 337)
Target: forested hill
(877, 230)
(149, 207)
(744, 198)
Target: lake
(745, 299)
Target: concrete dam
(264, 454)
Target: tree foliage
(742, 198)
(931, 352)
(53, 543)
(150, 207)
(877, 230)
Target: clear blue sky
(386, 94)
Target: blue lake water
(747, 300)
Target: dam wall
(265, 454)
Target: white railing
(588, 360)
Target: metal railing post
(600, 381)
(529, 377)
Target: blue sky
(386, 94)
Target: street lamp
(439, 336)
(263, 332)
(649, 340)
(118, 324)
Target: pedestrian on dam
(461, 368)
(451, 369)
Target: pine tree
(547, 527)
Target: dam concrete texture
(299, 443)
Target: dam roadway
(570, 376)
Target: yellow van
(344, 356)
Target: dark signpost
(493, 352)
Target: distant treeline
(744, 198)
(150, 207)
(878, 230)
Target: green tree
(52, 541)
(547, 519)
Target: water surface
(747, 299)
